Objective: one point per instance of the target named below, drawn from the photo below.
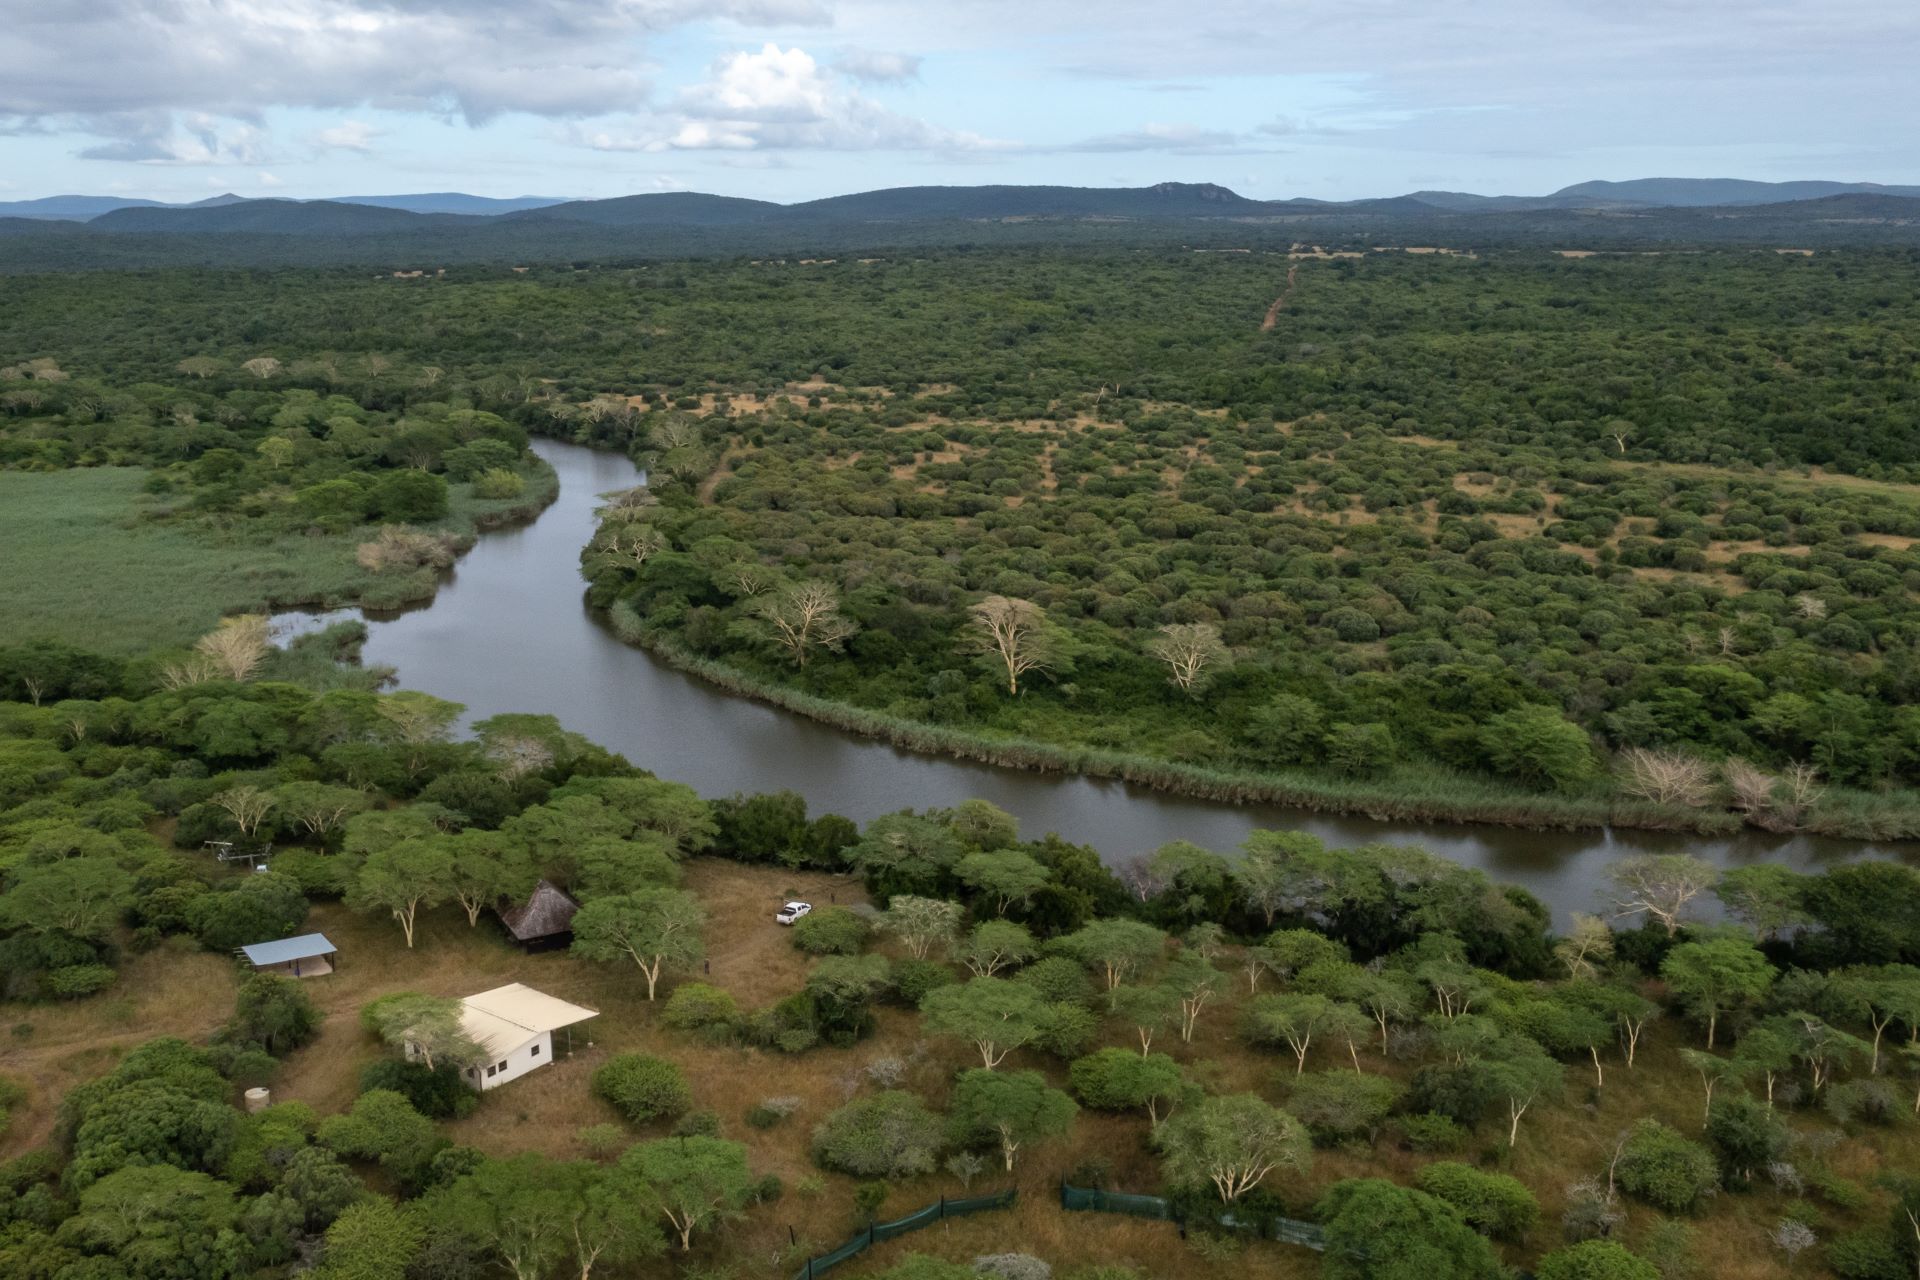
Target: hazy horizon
(790, 100)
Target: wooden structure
(308, 956)
(544, 921)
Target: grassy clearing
(178, 990)
(85, 566)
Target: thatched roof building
(545, 919)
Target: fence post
(943, 1207)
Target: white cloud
(1188, 138)
(875, 67)
(348, 135)
(774, 99)
(161, 139)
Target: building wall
(530, 1056)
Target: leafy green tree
(1717, 976)
(260, 908)
(272, 1012)
(1120, 1080)
(1148, 1010)
(1538, 746)
(996, 1016)
(994, 945)
(1007, 876)
(919, 923)
(657, 929)
(1231, 1143)
(1378, 1231)
(903, 853)
(485, 867)
(79, 896)
(1267, 875)
(156, 1222)
(1658, 1165)
(409, 497)
(1767, 897)
(1116, 949)
(1016, 1109)
(1340, 1105)
(402, 879)
(1493, 1204)
(1293, 1019)
(374, 1239)
(384, 1127)
(1746, 1137)
(889, 1134)
(697, 1182)
(429, 1026)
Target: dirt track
(1280, 303)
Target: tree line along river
(510, 631)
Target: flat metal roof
(285, 950)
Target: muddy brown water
(510, 631)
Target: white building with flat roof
(515, 1025)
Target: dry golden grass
(178, 990)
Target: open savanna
(180, 991)
(88, 564)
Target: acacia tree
(1009, 876)
(1716, 976)
(1148, 1010)
(803, 618)
(1660, 885)
(485, 867)
(1194, 983)
(655, 928)
(696, 1181)
(1587, 946)
(429, 1026)
(81, 896)
(419, 720)
(318, 806)
(1115, 1079)
(1013, 633)
(1017, 1108)
(1118, 949)
(403, 878)
(920, 922)
(1294, 1018)
(247, 806)
(995, 1015)
(1232, 1142)
(1192, 652)
(1265, 874)
(238, 646)
(995, 945)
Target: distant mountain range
(1167, 201)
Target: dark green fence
(881, 1232)
(1285, 1230)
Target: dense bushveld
(1375, 1038)
(1512, 537)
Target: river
(510, 631)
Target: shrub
(1867, 1101)
(1337, 1105)
(887, 1135)
(1867, 1255)
(498, 482)
(833, 932)
(1595, 1260)
(697, 1124)
(769, 1112)
(1012, 1266)
(601, 1140)
(1059, 980)
(1492, 1203)
(642, 1088)
(440, 1093)
(1433, 1132)
(768, 1189)
(1666, 1170)
(256, 909)
(78, 981)
(1745, 1136)
(913, 979)
(696, 1006)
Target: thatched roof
(546, 912)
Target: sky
(794, 99)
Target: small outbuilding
(307, 956)
(544, 921)
(515, 1025)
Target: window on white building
(534, 1052)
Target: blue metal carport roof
(304, 947)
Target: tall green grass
(83, 565)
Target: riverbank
(87, 566)
(1411, 794)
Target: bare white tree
(1013, 632)
(1793, 1239)
(247, 806)
(238, 646)
(262, 366)
(1660, 885)
(804, 618)
(1191, 651)
(1587, 946)
(1665, 777)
